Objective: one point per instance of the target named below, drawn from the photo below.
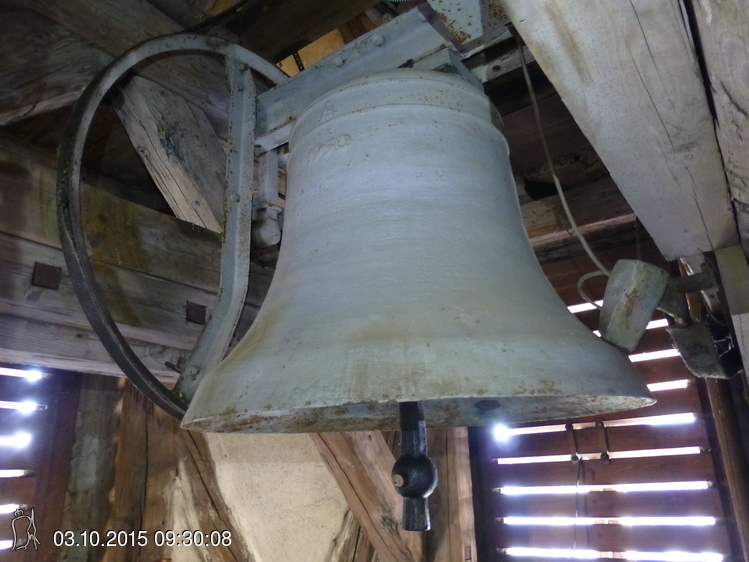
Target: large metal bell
(405, 275)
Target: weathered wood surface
(732, 453)
(129, 459)
(52, 441)
(211, 508)
(44, 65)
(627, 72)
(724, 35)
(92, 462)
(453, 535)
(51, 346)
(361, 463)
(595, 208)
(734, 273)
(115, 26)
(139, 256)
(180, 149)
(352, 544)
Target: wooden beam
(595, 208)
(361, 463)
(139, 256)
(92, 466)
(52, 444)
(212, 510)
(180, 149)
(50, 346)
(453, 535)
(45, 66)
(734, 275)
(627, 73)
(724, 37)
(115, 26)
(277, 29)
(732, 452)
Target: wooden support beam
(724, 37)
(628, 74)
(50, 346)
(180, 149)
(92, 466)
(45, 66)
(140, 257)
(732, 452)
(594, 207)
(52, 443)
(276, 29)
(210, 506)
(453, 535)
(114, 26)
(734, 275)
(129, 461)
(361, 463)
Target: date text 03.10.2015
(142, 538)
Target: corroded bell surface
(405, 274)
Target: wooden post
(453, 535)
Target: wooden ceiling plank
(627, 73)
(180, 149)
(45, 66)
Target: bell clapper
(414, 473)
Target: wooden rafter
(628, 74)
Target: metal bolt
(398, 481)
(338, 61)
(193, 370)
(378, 40)
(235, 197)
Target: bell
(406, 276)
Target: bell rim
(446, 412)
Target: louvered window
(637, 485)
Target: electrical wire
(562, 198)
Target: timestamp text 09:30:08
(141, 538)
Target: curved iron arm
(214, 339)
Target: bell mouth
(452, 412)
